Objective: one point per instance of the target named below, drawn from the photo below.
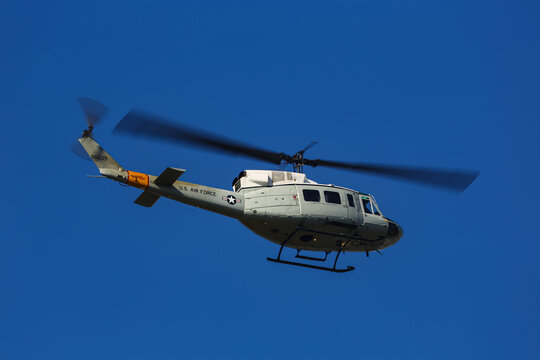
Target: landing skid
(331, 269)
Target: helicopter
(284, 207)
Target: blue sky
(87, 274)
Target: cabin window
(332, 197)
(350, 200)
(312, 195)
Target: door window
(350, 200)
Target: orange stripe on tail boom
(138, 180)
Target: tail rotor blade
(93, 110)
(78, 150)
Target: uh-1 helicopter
(284, 207)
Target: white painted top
(257, 178)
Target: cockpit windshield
(370, 206)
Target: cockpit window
(369, 206)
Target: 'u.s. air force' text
(195, 190)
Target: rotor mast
(298, 161)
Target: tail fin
(106, 164)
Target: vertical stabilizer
(106, 164)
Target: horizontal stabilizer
(147, 199)
(169, 176)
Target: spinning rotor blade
(457, 180)
(93, 110)
(139, 123)
(78, 150)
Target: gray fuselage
(317, 217)
(307, 215)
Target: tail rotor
(93, 112)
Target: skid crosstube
(310, 266)
(298, 256)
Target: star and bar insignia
(231, 200)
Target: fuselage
(284, 206)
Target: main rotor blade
(140, 123)
(93, 110)
(457, 180)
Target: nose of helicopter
(395, 232)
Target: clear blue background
(86, 274)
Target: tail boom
(212, 199)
